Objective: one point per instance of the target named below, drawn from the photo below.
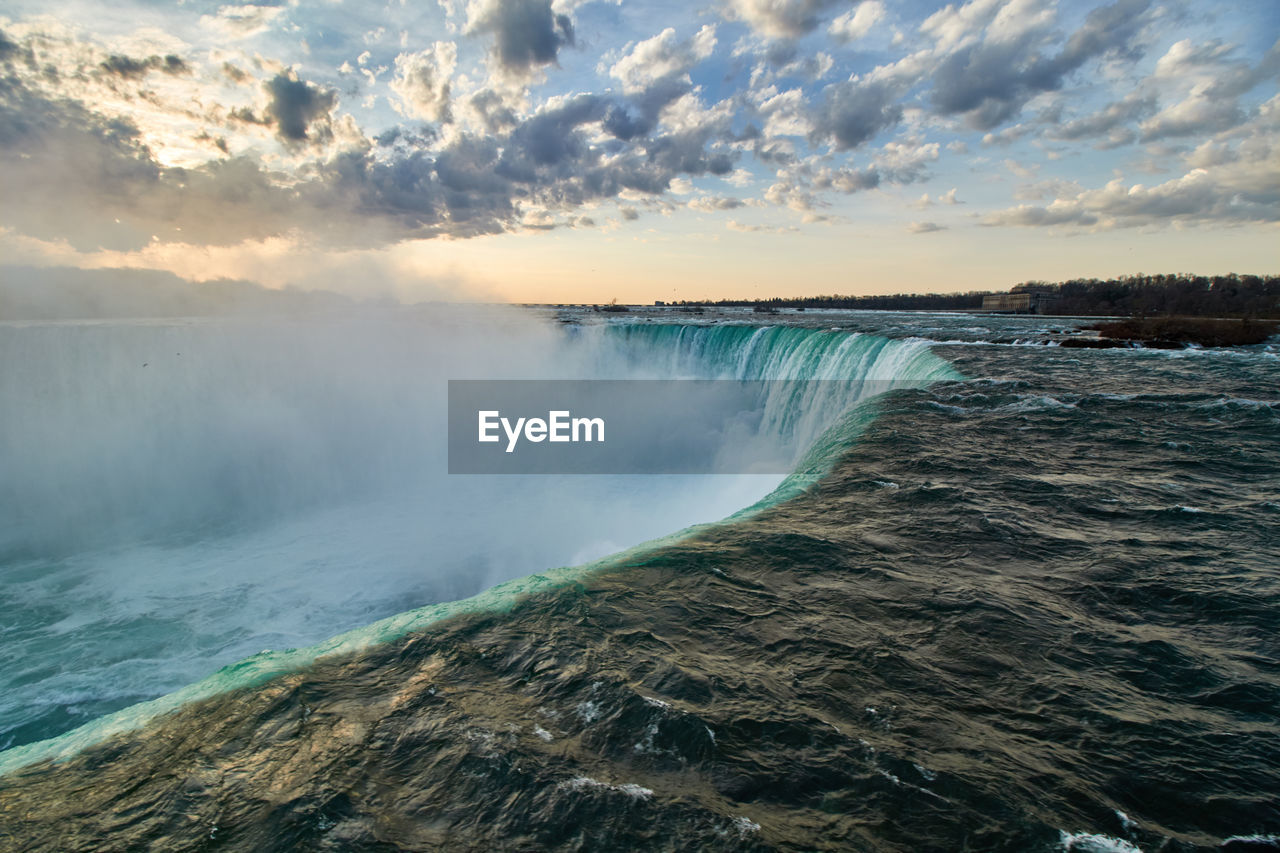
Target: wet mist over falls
(182, 494)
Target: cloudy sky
(579, 150)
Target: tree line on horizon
(1175, 294)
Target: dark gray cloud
(111, 192)
(550, 138)
(896, 163)
(1106, 29)
(476, 198)
(1199, 115)
(1111, 121)
(1209, 109)
(296, 105)
(235, 74)
(798, 186)
(527, 34)
(12, 52)
(552, 154)
(853, 112)
(687, 153)
(219, 142)
(114, 194)
(510, 158)
(130, 68)
(774, 153)
(1029, 216)
(248, 116)
(780, 52)
(402, 194)
(628, 121)
(408, 138)
(989, 82)
(494, 112)
(8, 48)
(848, 180)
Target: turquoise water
(116, 625)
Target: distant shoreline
(1089, 332)
(1232, 295)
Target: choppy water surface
(1034, 608)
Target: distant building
(658, 302)
(1023, 302)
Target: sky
(588, 150)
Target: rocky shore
(1174, 333)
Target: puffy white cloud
(715, 204)
(1185, 57)
(226, 143)
(847, 180)
(781, 19)
(953, 27)
(857, 22)
(325, 180)
(421, 81)
(1238, 189)
(663, 56)
(1213, 82)
(927, 201)
(785, 113)
(905, 162)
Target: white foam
(1085, 842)
(586, 783)
(589, 711)
(1035, 403)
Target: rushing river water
(1026, 600)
